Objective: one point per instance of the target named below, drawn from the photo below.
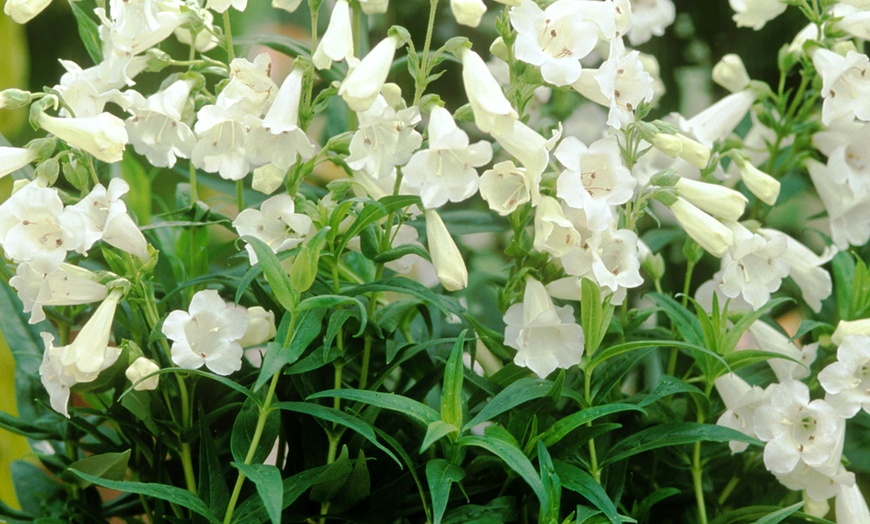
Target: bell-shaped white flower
(805, 268)
(847, 146)
(222, 5)
(721, 202)
(14, 158)
(276, 223)
(287, 5)
(137, 25)
(156, 129)
(741, 400)
(446, 257)
(468, 12)
(596, 179)
(220, 147)
(554, 232)
(845, 85)
(649, 18)
(23, 11)
(337, 42)
(610, 258)
(796, 428)
(445, 172)
(103, 136)
(364, 82)
(708, 232)
(850, 327)
(526, 145)
(730, 73)
(718, 121)
(40, 284)
(851, 506)
(506, 187)
(491, 109)
(847, 381)
(35, 226)
(138, 370)
(261, 327)
(753, 267)
(545, 337)
(105, 216)
(756, 13)
(82, 360)
(820, 482)
(208, 333)
(386, 138)
(768, 338)
(848, 213)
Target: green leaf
(89, 33)
(360, 426)
(779, 516)
(111, 466)
(516, 393)
(843, 268)
(672, 434)
(330, 301)
(416, 410)
(594, 315)
(741, 326)
(171, 494)
(500, 443)
(332, 480)
(552, 486)
(32, 431)
(451, 399)
(269, 487)
(440, 475)
(243, 433)
(407, 287)
(757, 512)
(139, 197)
(683, 319)
(275, 275)
(357, 487)
(642, 510)
(211, 482)
(306, 329)
(581, 482)
(668, 386)
(304, 269)
(619, 349)
(566, 425)
(435, 432)
(747, 357)
(251, 511)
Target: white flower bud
(850, 327)
(103, 136)
(762, 185)
(140, 368)
(719, 201)
(694, 152)
(499, 49)
(14, 98)
(362, 85)
(468, 12)
(374, 7)
(670, 145)
(730, 73)
(337, 42)
(492, 111)
(708, 232)
(261, 327)
(14, 158)
(445, 255)
(23, 11)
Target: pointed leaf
(419, 412)
(111, 466)
(275, 275)
(581, 482)
(519, 392)
(435, 432)
(440, 475)
(451, 399)
(269, 487)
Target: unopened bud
(694, 152)
(14, 98)
(446, 258)
(762, 185)
(730, 73)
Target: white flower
(719, 120)
(762, 185)
(374, 7)
(23, 11)
(847, 381)
(445, 172)
(648, 18)
(103, 136)
(770, 339)
(261, 327)
(141, 368)
(363, 83)
(220, 147)
(200, 32)
(34, 226)
(621, 83)
(491, 109)
(82, 360)
(86, 91)
(756, 13)
(287, 5)
(222, 5)
(753, 266)
(848, 213)
(14, 158)
(845, 85)
(850, 505)
(596, 180)
(708, 232)
(506, 187)
(276, 223)
(527, 146)
(156, 129)
(137, 25)
(208, 333)
(554, 233)
(721, 202)
(105, 216)
(820, 483)
(847, 146)
(693, 152)
(796, 428)
(554, 39)
(804, 268)
(730, 73)
(468, 12)
(545, 337)
(337, 42)
(741, 400)
(609, 258)
(850, 327)
(445, 255)
(40, 284)
(386, 138)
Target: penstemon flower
(446, 258)
(41, 284)
(337, 42)
(103, 136)
(364, 81)
(138, 370)
(276, 223)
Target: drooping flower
(805, 268)
(363, 83)
(848, 214)
(261, 327)
(103, 136)
(134, 26)
(491, 109)
(708, 232)
(770, 339)
(468, 12)
(386, 138)
(141, 368)
(649, 18)
(40, 284)
(156, 129)
(337, 42)
(753, 265)
(14, 158)
(756, 13)
(845, 85)
(720, 119)
(554, 232)
(23, 11)
(730, 73)
(446, 257)
(850, 327)
(506, 187)
(82, 360)
(208, 333)
(851, 506)
(445, 172)
(276, 223)
(847, 146)
(741, 400)
(545, 337)
(847, 381)
(610, 258)
(106, 218)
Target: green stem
(240, 195)
(423, 70)
(697, 481)
(228, 37)
(687, 282)
(194, 194)
(252, 448)
(593, 455)
(726, 492)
